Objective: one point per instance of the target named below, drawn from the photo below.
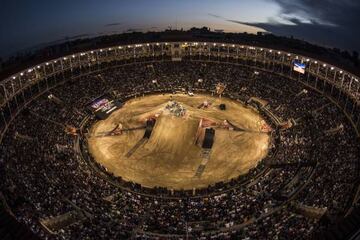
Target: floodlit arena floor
(170, 158)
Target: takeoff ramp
(205, 154)
(149, 128)
(136, 146)
(234, 127)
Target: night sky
(29, 23)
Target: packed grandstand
(307, 183)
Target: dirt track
(170, 158)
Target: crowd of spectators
(314, 163)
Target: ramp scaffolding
(150, 123)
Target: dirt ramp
(173, 135)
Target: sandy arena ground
(170, 158)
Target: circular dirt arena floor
(170, 157)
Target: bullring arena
(180, 140)
(170, 158)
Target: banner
(299, 67)
(103, 106)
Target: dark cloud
(342, 13)
(332, 23)
(216, 16)
(113, 24)
(328, 36)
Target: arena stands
(306, 183)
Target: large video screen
(299, 66)
(103, 106)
